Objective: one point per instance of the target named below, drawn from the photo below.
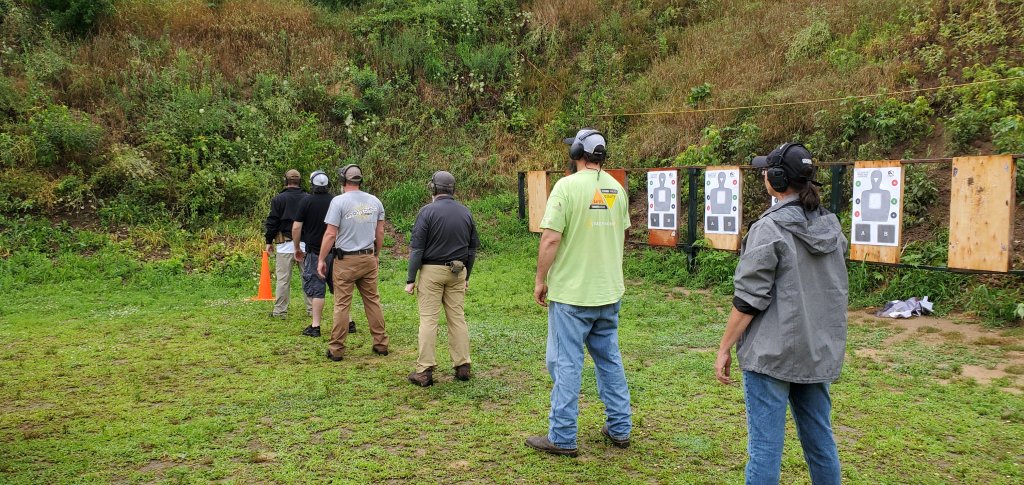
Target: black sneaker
(352, 326)
(311, 331)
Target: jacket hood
(819, 231)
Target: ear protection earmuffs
(777, 177)
(433, 186)
(343, 170)
(576, 149)
(314, 174)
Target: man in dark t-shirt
(309, 226)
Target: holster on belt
(281, 238)
(456, 266)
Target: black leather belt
(439, 263)
(339, 253)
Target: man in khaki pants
(355, 235)
(444, 244)
(278, 236)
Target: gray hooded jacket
(793, 270)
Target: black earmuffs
(343, 170)
(777, 176)
(576, 149)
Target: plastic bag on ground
(906, 308)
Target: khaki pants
(283, 273)
(439, 286)
(356, 271)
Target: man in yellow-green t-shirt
(579, 270)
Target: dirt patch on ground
(935, 331)
(401, 246)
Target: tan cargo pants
(438, 287)
(350, 272)
(283, 291)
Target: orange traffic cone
(264, 293)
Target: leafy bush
(810, 41)
(62, 135)
(699, 94)
(71, 192)
(402, 202)
(77, 16)
(919, 194)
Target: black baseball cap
(792, 157)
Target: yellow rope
(812, 101)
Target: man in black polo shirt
(444, 244)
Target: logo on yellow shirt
(604, 199)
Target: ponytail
(810, 197)
(807, 190)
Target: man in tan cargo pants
(355, 235)
(443, 248)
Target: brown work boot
(621, 443)
(542, 443)
(422, 379)
(462, 372)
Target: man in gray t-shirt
(355, 234)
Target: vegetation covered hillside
(157, 120)
(189, 110)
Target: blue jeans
(766, 399)
(569, 328)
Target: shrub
(918, 194)
(71, 192)
(403, 201)
(77, 16)
(699, 94)
(810, 41)
(62, 135)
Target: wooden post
(981, 213)
(874, 252)
(537, 189)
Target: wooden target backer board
(876, 253)
(619, 175)
(537, 197)
(729, 242)
(981, 213)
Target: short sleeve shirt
(356, 214)
(591, 211)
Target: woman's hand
(723, 366)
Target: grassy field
(173, 377)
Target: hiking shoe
(422, 379)
(352, 326)
(380, 351)
(542, 443)
(329, 356)
(281, 316)
(311, 331)
(623, 443)
(462, 372)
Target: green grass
(177, 377)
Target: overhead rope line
(810, 101)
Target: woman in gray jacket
(788, 320)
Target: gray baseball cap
(443, 179)
(592, 140)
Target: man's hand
(299, 255)
(723, 366)
(321, 269)
(269, 249)
(410, 288)
(540, 294)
